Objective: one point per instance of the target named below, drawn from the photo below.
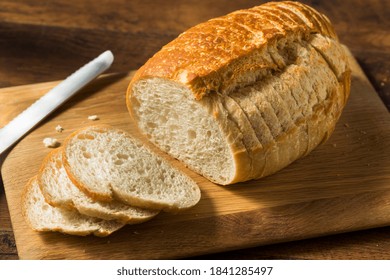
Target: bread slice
(250, 140)
(41, 216)
(181, 98)
(59, 191)
(107, 164)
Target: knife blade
(34, 114)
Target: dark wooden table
(45, 40)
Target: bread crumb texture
(51, 142)
(93, 118)
(59, 129)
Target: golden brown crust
(201, 54)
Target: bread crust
(228, 53)
(204, 52)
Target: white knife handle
(25, 121)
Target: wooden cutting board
(342, 186)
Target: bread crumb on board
(93, 118)
(59, 129)
(51, 142)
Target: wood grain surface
(342, 186)
(46, 40)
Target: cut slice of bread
(107, 164)
(59, 191)
(43, 217)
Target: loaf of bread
(241, 96)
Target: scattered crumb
(135, 232)
(363, 132)
(93, 118)
(334, 145)
(382, 84)
(346, 125)
(51, 142)
(108, 241)
(59, 129)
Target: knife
(29, 118)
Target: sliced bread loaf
(181, 99)
(59, 191)
(107, 164)
(43, 217)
